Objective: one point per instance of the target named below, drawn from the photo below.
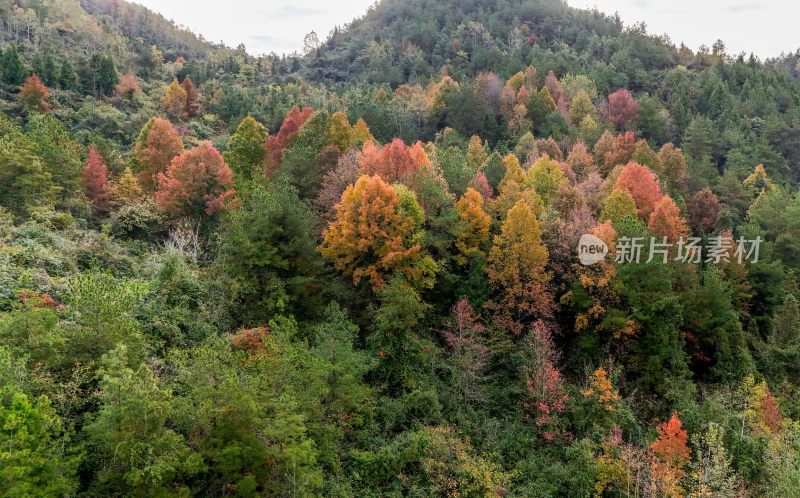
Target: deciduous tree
(667, 221)
(275, 144)
(673, 165)
(474, 232)
(704, 210)
(158, 144)
(622, 109)
(33, 94)
(581, 107)
(174, 100)
(371, 237)
(671, 455)
(579, 159)
(339, 132)
(546, 177)
(128, 86)
(482, 185)
(95, 181)
(546, 395)
(601, 390)
(466, 341)
(192, 98)
(643, 186)
(360, 134)
(621, 150)
(517, 270)
(618, 205)
(394, 162)
(127, 190)
(197, 183)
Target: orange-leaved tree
(95, 181)
(128, 86)
(197, 183)
(33, 94)
(394, 162)
(374, 235)
(192, 97)
(158, 144)
(601, 389)
(620, 151)
(516, 271)
(667, 221)
(641, 183)
(671, 454)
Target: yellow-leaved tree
(174, 100)
(516, 271)
(475, 223)
(375, 234)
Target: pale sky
(765, 27)
(263, 26)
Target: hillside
(401, 41)
(459, 249)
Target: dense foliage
(353, 272)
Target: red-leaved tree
(95, 181)
(197, 183)
(158, 144)
(622, 108)
(643, 186)
(546, 394)
(480, 183)
(275, 144)
(192, 97)
(394, 162)
(666, 220)
(465, 338)
(704, 210)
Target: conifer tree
(245, 150)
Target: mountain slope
(398, 41)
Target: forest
(355, 271)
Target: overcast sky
(765, 27)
